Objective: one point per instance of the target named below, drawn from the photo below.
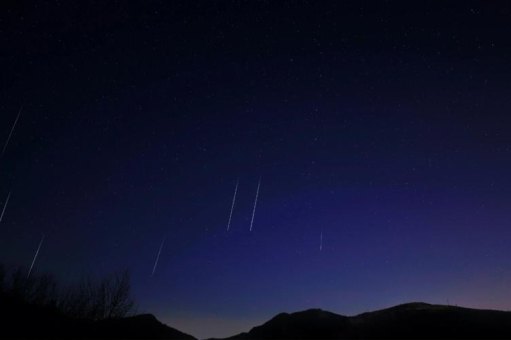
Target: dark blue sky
(382, 125)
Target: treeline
(106, 298)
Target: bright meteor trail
(232, 206)
(157, 257)
(35, 256)
(255, 204)
(12, 130)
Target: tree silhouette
(107, 298)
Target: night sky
(380, 133)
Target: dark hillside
(407, 321)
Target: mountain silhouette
(411, 320)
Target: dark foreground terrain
(412, 320)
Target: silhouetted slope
(22, 320)
(144, 326)
(412, 320)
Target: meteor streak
(158, 257)
(35, 256)
(321, 240)
(5, 206)
(12, 130)
(255, 204)
(232, 205)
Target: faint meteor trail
(12, 130)
(157, 257)
(255, 204)
(321, 241)
(232, 205)
(35, 256)
(5, 206)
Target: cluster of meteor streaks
(234, 202)
(6, 144)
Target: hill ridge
(406, 320)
